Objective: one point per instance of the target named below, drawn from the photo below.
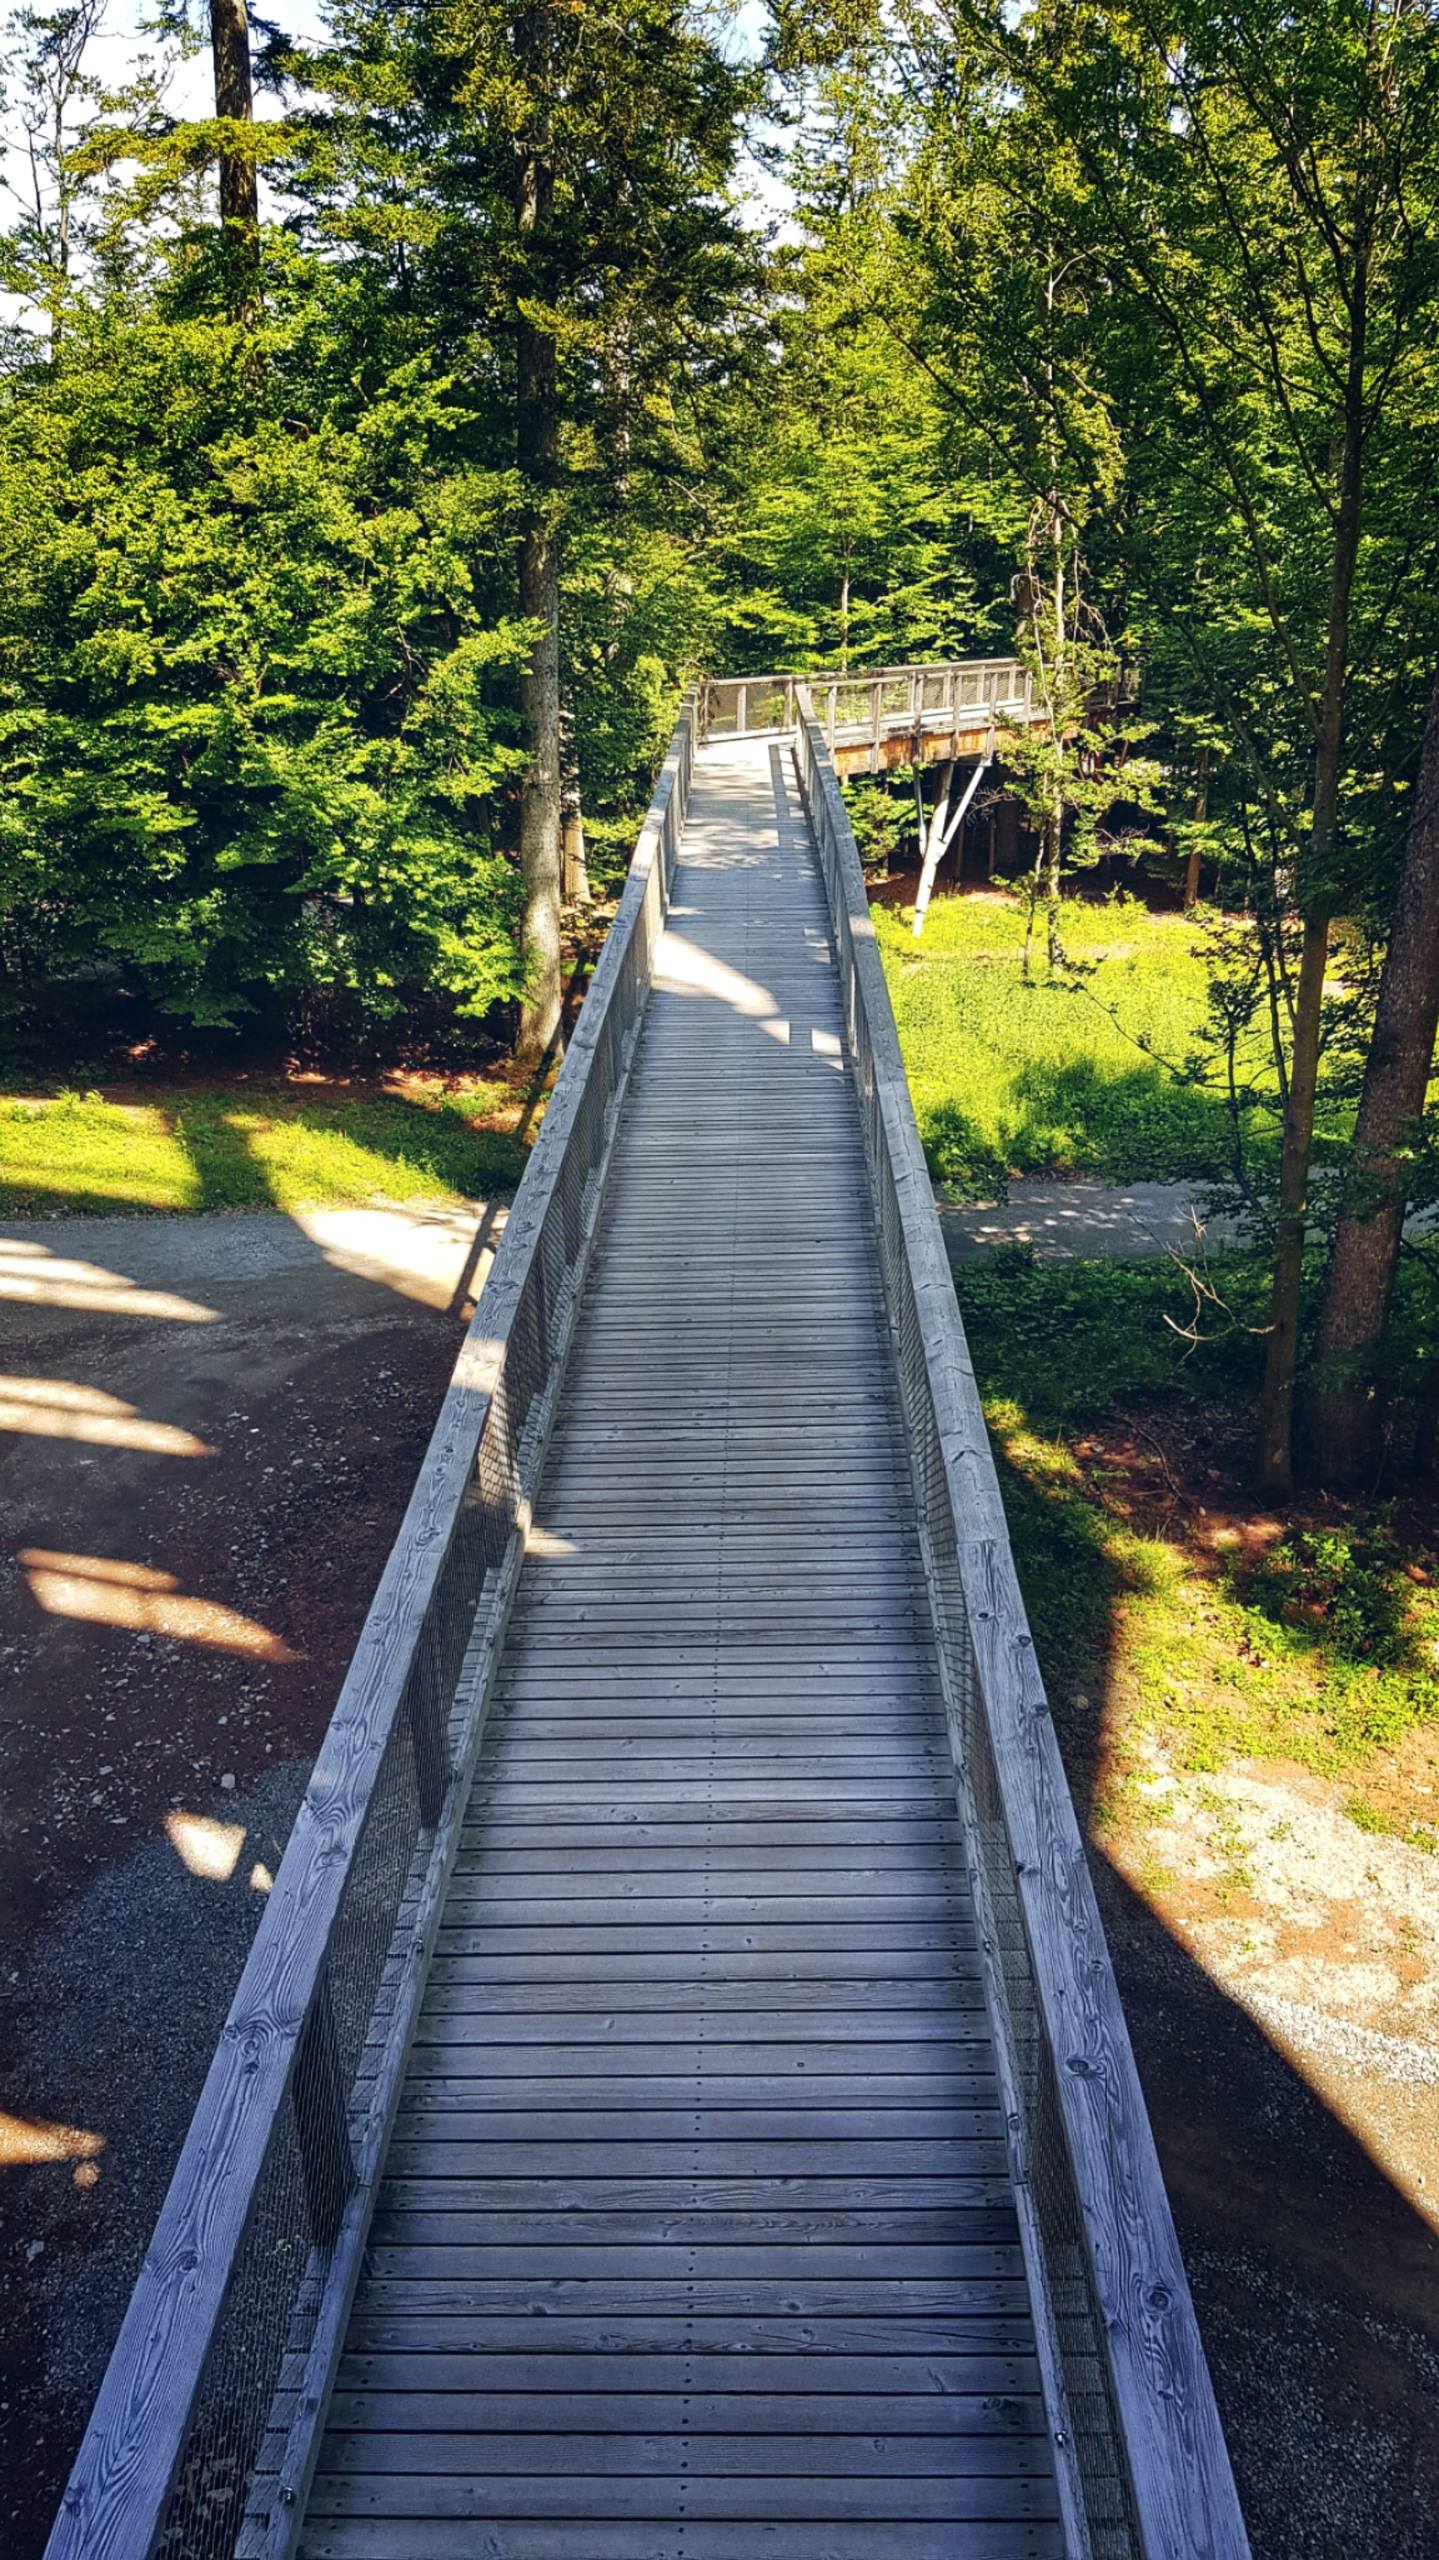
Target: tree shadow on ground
(254, 1149)
(1315, 2280)
(225, 1418)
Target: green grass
(1314, 1640)
(1063, 1077)
(258, 1147)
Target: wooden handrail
(114, 2507)
(1181, 2486)
(870, 683)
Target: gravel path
(1073, 1221)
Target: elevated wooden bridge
(677, 2106)
(888, 716)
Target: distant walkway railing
(207, 2422)
(1143, 2465)
(885, 702)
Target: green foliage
(262, 500)
(1065, 1341)
(882, 817)
(252, 731)
(1347, 1579)
(1100, 1068)
(1317, 1646)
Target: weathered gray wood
(711, 1850)
(642, 2538)
(698, 2231)
(115, 2500)
(1180, 2480)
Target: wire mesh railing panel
(1140, 2460)
(208, 2419)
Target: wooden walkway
(696, 2240)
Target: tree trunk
(1342, 1404)
(1194, 864)
(235, 100)
(1053, 857)
(574, 866)
(537, 455)
(1274, 1462)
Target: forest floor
(1093, 1071)
(210, 1429)
(1248, 1706)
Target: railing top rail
(1182, 2485)
(114, 2504)
(815, 676)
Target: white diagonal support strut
(939, 844)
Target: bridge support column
(938, 846)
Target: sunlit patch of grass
(259, 1147)
(1192, 1659)
(79, 1150)
(1086, 1073)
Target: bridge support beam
(939, 843)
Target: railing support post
(425, 1714)
(318, 2096)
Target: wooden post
(318, 2095)
(876, 697)
(425, 1713)
(741, 710)
(833, 714)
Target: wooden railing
(884, 702)
(205, 2430)
(1142, 2460)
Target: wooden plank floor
(696, 2240)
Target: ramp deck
(696, 2236)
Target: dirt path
(210, 1429)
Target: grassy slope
(1169, 1607)
(258, 1146)
(1055, 1078)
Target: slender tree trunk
(574, 865)
(1053, 855)
(235, 100)
(1342, 1404)
(1274, 1461)
(1201, 812)
(537, 455)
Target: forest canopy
(385, 444)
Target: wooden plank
(841, 2350)
(992, 2476)
(723, 2394)
(907, 2494)
(620, 2403)
(596, 2538)
(459, 2119)
(976, 2279)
